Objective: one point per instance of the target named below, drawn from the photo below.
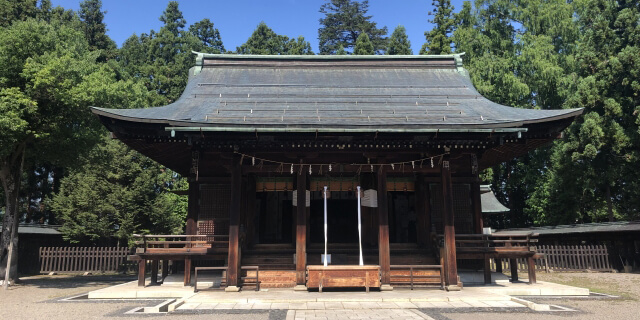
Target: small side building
(30, 238)
(622, 238)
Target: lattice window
(463, 215)
(215, 201)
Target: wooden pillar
(383, 230)
(142, 264)
(187, 272)
(531, 268)
(451, 267)
(193, 206)
(423, 212)
(234, 219)
(165, 269)
(513, 265)
(301, 230)
(476, 207)
(154, 271)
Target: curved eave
(186, 125)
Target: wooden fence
(566, 258)
(82, 259)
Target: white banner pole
(360, 226)
(325, 226)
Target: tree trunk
(10, 174)
(609, 203)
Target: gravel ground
(39, 298)
(626, 285)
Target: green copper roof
(333, 94)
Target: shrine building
(275, 149)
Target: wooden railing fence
(82, 259)
(566, 258)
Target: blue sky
(237, 19)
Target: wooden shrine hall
(260, 137)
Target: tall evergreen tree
(342, 24)
(162, 59)
(45, 93)
(439, 38)
(173, 19)
(95, 29)
(299, 46)
(594, 174)
(115, 193)
(363, 46)
(399, 43)
(264, 41)
(524, 68)
(208, 35)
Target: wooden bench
(343, 277)
(175, 247)
(512, 247)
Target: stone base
(300, 287)
(386, 287)
(453, 288)
(232, 289)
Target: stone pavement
(342, 306)
(401, 303)
(356, 314)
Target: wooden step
(273, 278)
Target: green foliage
(551, 54)
(439, 38)
(363, 45)
(264, 41)
(161, 60)
(595, 165)
(16, 109)
(117, 192)
(95, 30)
(341, 51)
(399, 43)
(208, 35)
(342, 24)
(17, 10)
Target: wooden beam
(383, 228)
(193, 207)
(234, 219)
(301, 228)
(451, 267)
(476, 207)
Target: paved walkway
(190, 304)
(356, 314)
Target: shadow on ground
(73, 281)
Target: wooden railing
(566, 258)
(168, 244)
(487, 247)
(82, 259)
(417, 277)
